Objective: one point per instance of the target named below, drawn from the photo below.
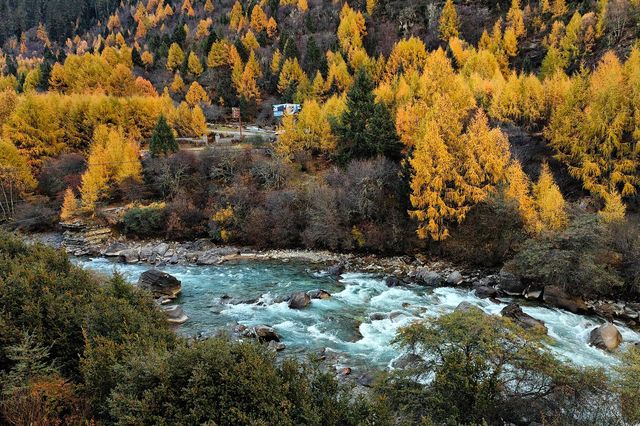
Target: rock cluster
(81, 240)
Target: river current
(342, 323)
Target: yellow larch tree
(272, 27)
(614, 208)
(208, 6)
(303, 6)
(198, 121)
(194, 64)
(258, 19)
(112, 160)
(70, 206)
(236, 16)
(518, 190)
(197, 95)
(250, 42)
(175, 57)
(549, 201)
(515, 19)
(448, 25)
(187, 8)
(177, 85)
(147, 59)
(219, 54)
(310, 131)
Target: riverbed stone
(175, 314)
(319, 294)
(428, 277)
(299, 300)
(557, 296)
(276, 346)
(160, 283)
(606, 337)
(378, 316)
(454, 278)
(393, 281)
(486, 292)
(263, 333)
(336, 270)
(208, 258)
(129, 256)
(408, 360)
(510, 284)
(524, 320)
(468, 307)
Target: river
(342, 323)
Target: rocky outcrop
(509, 284)
(393, 281)
(319, 294)
(263, 333)
(524, 320)
(378, 316)
(299, 300)
(81, 240)
(556, 296)
(428, 277)
(175, 314)
(606, 337)
(160, 283)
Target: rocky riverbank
(398, 270)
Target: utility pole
(235, 112)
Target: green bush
(145, 221)
(581, 259)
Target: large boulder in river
(523, 319)
(175, 314)
(556, 296)
(486, 292)
(336, 270)
(299, 300)
(510, 284)
(454, 278)
(263, 333)
(428, 277)
(606, 337)
(468, 307)
(319, 294)
(160, 283)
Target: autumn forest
(501, 136)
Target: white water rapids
(343, 323)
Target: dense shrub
(582, 259)
(60, 173)
(482, 369)
(145, 221)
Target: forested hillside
(424, 126)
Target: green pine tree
(366, 129)
(162, 139)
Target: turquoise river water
(341, 323)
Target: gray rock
(299, 300)
(407, 360)
(208, 258)
(366, 379)
(161, 249)
(146, 252)
(114, 249)
(523, 319)
(556, 296)
(276, 346)
(336, 270)
(175, 314)
(129, 256)
(393, 281)
(160, 283)
(319, 294)
(397, 316)
(606, 337)
(467, 307)
(510, 284)
(263, 333)
(428, 277)
(377, 316)
(485, 292)
(454, 278)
